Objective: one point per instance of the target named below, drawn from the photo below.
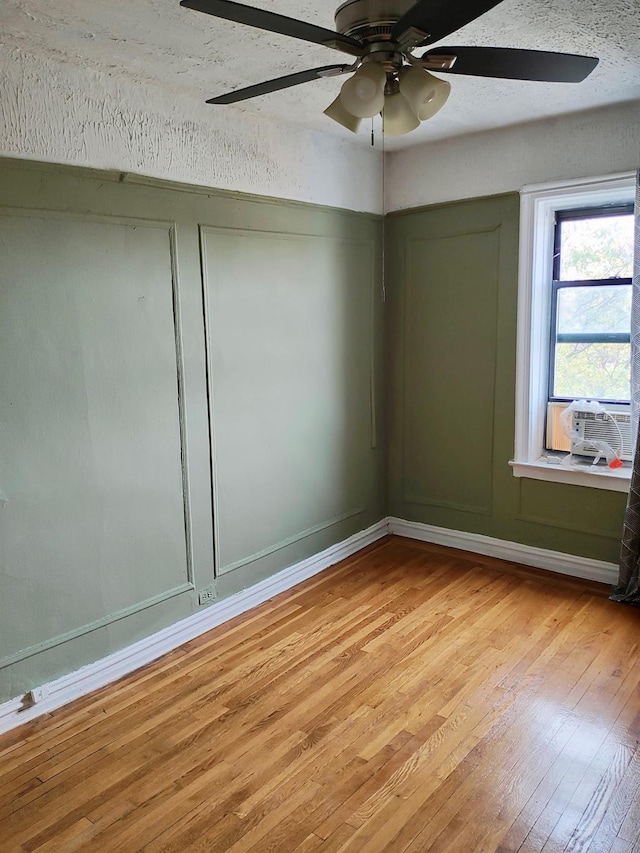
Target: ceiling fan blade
(280, 83)
(515, 64)
(275, 23)
(438, 18)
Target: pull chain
(383, 253)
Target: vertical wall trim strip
(182, 414)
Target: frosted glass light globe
(397, 116)
(425, 93)
(363, 93)
(337, 112)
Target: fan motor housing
(370, 20)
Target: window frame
(538, 207)
(557, 284)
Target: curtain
(628, 586)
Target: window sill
(593, 477)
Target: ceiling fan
(388, 78)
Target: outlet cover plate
(207, 595)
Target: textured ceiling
(158, 42)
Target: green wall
(452, 285)
(192, 397)
(142, 324)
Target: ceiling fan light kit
(362, 95)
(425, 94)
(397, 116)
(388, 77)
(338, 113)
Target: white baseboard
(514, 552)
(62, 690)
(68, 687)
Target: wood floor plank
(411, 699)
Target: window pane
(601, 247)
(594, 371)
(594, 309)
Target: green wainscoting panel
(444, 332)
(452, 277)
(290, 331)
(113, 385)
(90, 416)
(571, 507)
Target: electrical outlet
(206, 596)
(38, 694)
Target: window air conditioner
(594, 426)
(612, 427)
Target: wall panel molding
(417, 500)
(301, 235)
(184, 455)
(105, 621)
(436, 373)
(167, 228)
(564, 525)
(291, 540)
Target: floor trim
(62, 690)
(514, 552)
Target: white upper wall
(62, 114)
(597, 142)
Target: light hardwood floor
(411, 699)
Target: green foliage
(594, 371)
(596, 248)
(594, 309)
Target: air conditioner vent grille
(600, 426)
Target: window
(590, 355)
(574, 308)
